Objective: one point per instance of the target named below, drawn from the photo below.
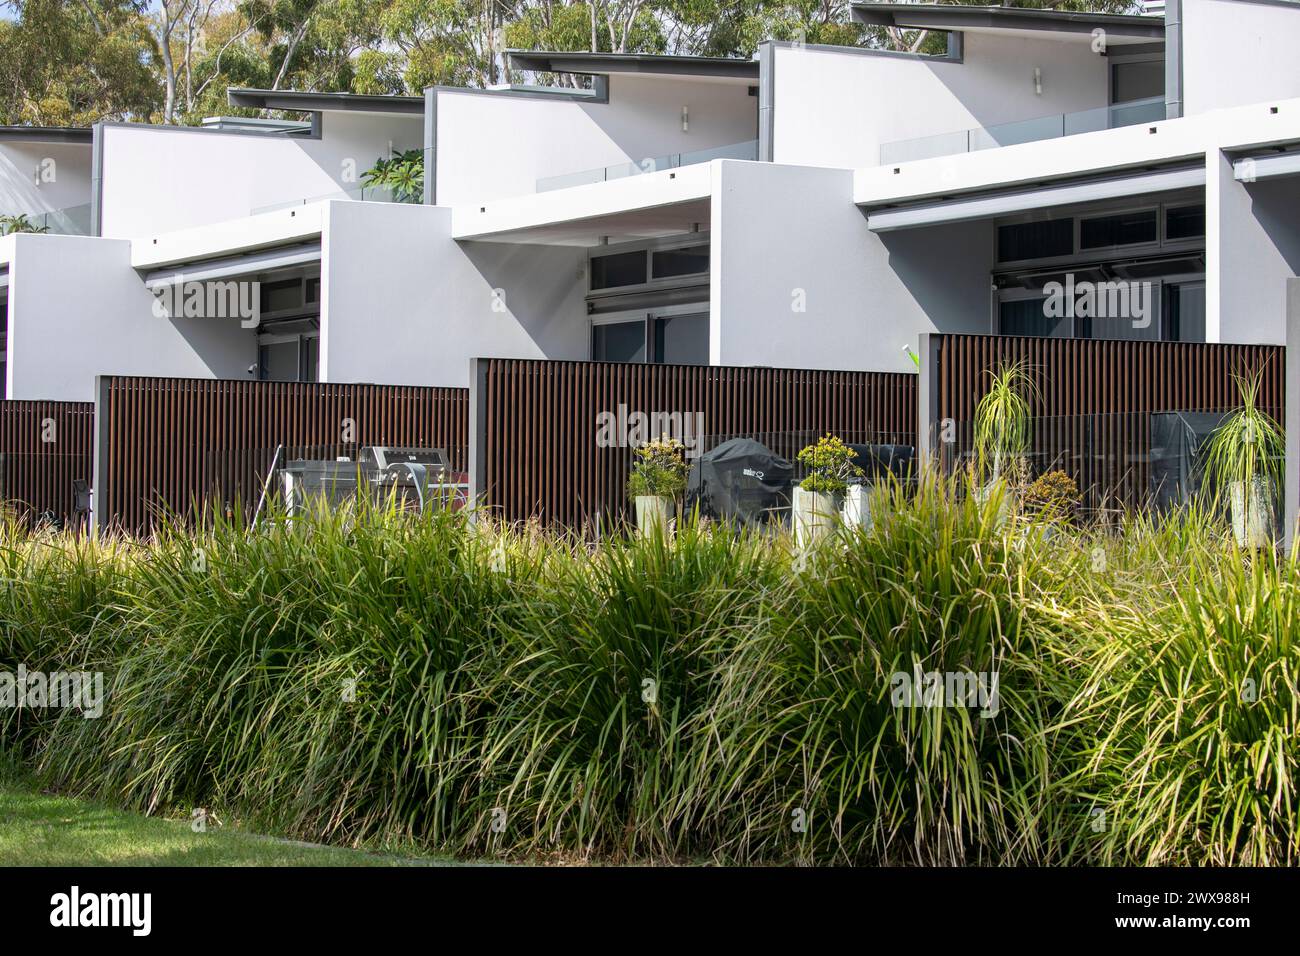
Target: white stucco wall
(403, 303)
(836, 108)
(44, 177)
(1237, 52)
(1252, 248)
(157, 179)
(779, 229)
(495, 145)
(77, 309)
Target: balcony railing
(1025, 131)
(356, 194)
(746, 150)
(73, 221)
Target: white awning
(265, 260)
(1003, 204)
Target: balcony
(1024, 131)
(73, 221)
(355, 194)
(747, 150)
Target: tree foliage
(74, 62)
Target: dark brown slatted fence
(167, 442)
(537, 453)
(1095, 399)
(44, 448)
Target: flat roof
(647, 63)
(47, 134)
(942, 16)
(324, 102)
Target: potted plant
(402, 174)
(817, 499)
(9, 225)
(1002, 430)
(658, 478)
(1243, 459)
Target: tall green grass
(370, 677)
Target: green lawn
(38, 829)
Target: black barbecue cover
(739, 481)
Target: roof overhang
(233, 267)
(47, 134)
(325, 102)
(647, 64)
(650, 205)
(1119, 28)
(1027, 200)
(187, 248)
(1248, 169)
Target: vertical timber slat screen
(539, 423)
(44, 448)
(170, 442)
(1094, 398)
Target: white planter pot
(856, 511)
(1252, 523)
(815, 515)
(653, 511)
(982, 495)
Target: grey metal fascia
(47, 134)
(1002, 204)
(1266, 167)
(431, 146)
(766, 101)
(281, 257)
(315, 102)
(1173, 59)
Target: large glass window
(1035, 240)
(1185, 222)
(1120, 229)
(618, 269)
(1029, 317)
(279, 361)
(1137, 80)
(682, 339)
(683, 261)
(618, 342)
(1185, 312)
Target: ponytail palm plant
(1243, 460)
(1002, 421)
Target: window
(1120, 229)
(1185, 312)
(682, 261)
(278, 361)
(282, 296)
(618, 342)
(618, 269)
(1137, 80)
(1035, 240)
(311, 358)
(1029, 317)
(682, 339)
(289, 358)
(1185, 222)
(677, 336)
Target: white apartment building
(814, 207)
